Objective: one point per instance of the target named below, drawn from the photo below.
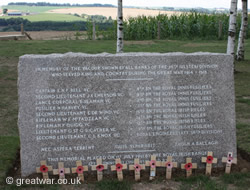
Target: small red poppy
(188, 166)
(137, 167)
(44, 169)
(79, 170)
(152, 163)
(100, 168)
(169, 165)
(119, 167)
(210, 159)
(61, 172)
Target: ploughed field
(9, 140)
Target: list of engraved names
(151, 99)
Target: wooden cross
(229, 160)
(189, 166)
(137, 168)
(99, 167)
(210, 160)
(119, 167)
(44, 169)
(80, 169)
(61, 171)
(153, 164)
(169, 164)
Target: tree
(5, 11)
(232, 27)
(243, 29)
(119, 48)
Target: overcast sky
(149, 3)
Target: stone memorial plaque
(83, 107)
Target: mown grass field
(9, 140)
(50, 17)
(35, 9)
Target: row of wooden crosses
(137, 167)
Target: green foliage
(110, 33)
(184, 26)
(5, 11)
(89, 30)
(114, 185)
(13, 24)
(98, 18)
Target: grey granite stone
(78, 106)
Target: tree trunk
(232, 27)
(119, 48)
(243, 29)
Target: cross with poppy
(99, 167)
(44, 169)
(79, 169)
(119, 167)
(169, 164)
(189, 166)
(229, 160)
(153, 164)
(210, 160)
(61, 171)
(137, 167)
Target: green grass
(243, 136)
(239, 180)
(49, 17)
(47, 47)
(11, 50)
(32, 9)
(244, 101)
(8, 149)
(200, 182)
